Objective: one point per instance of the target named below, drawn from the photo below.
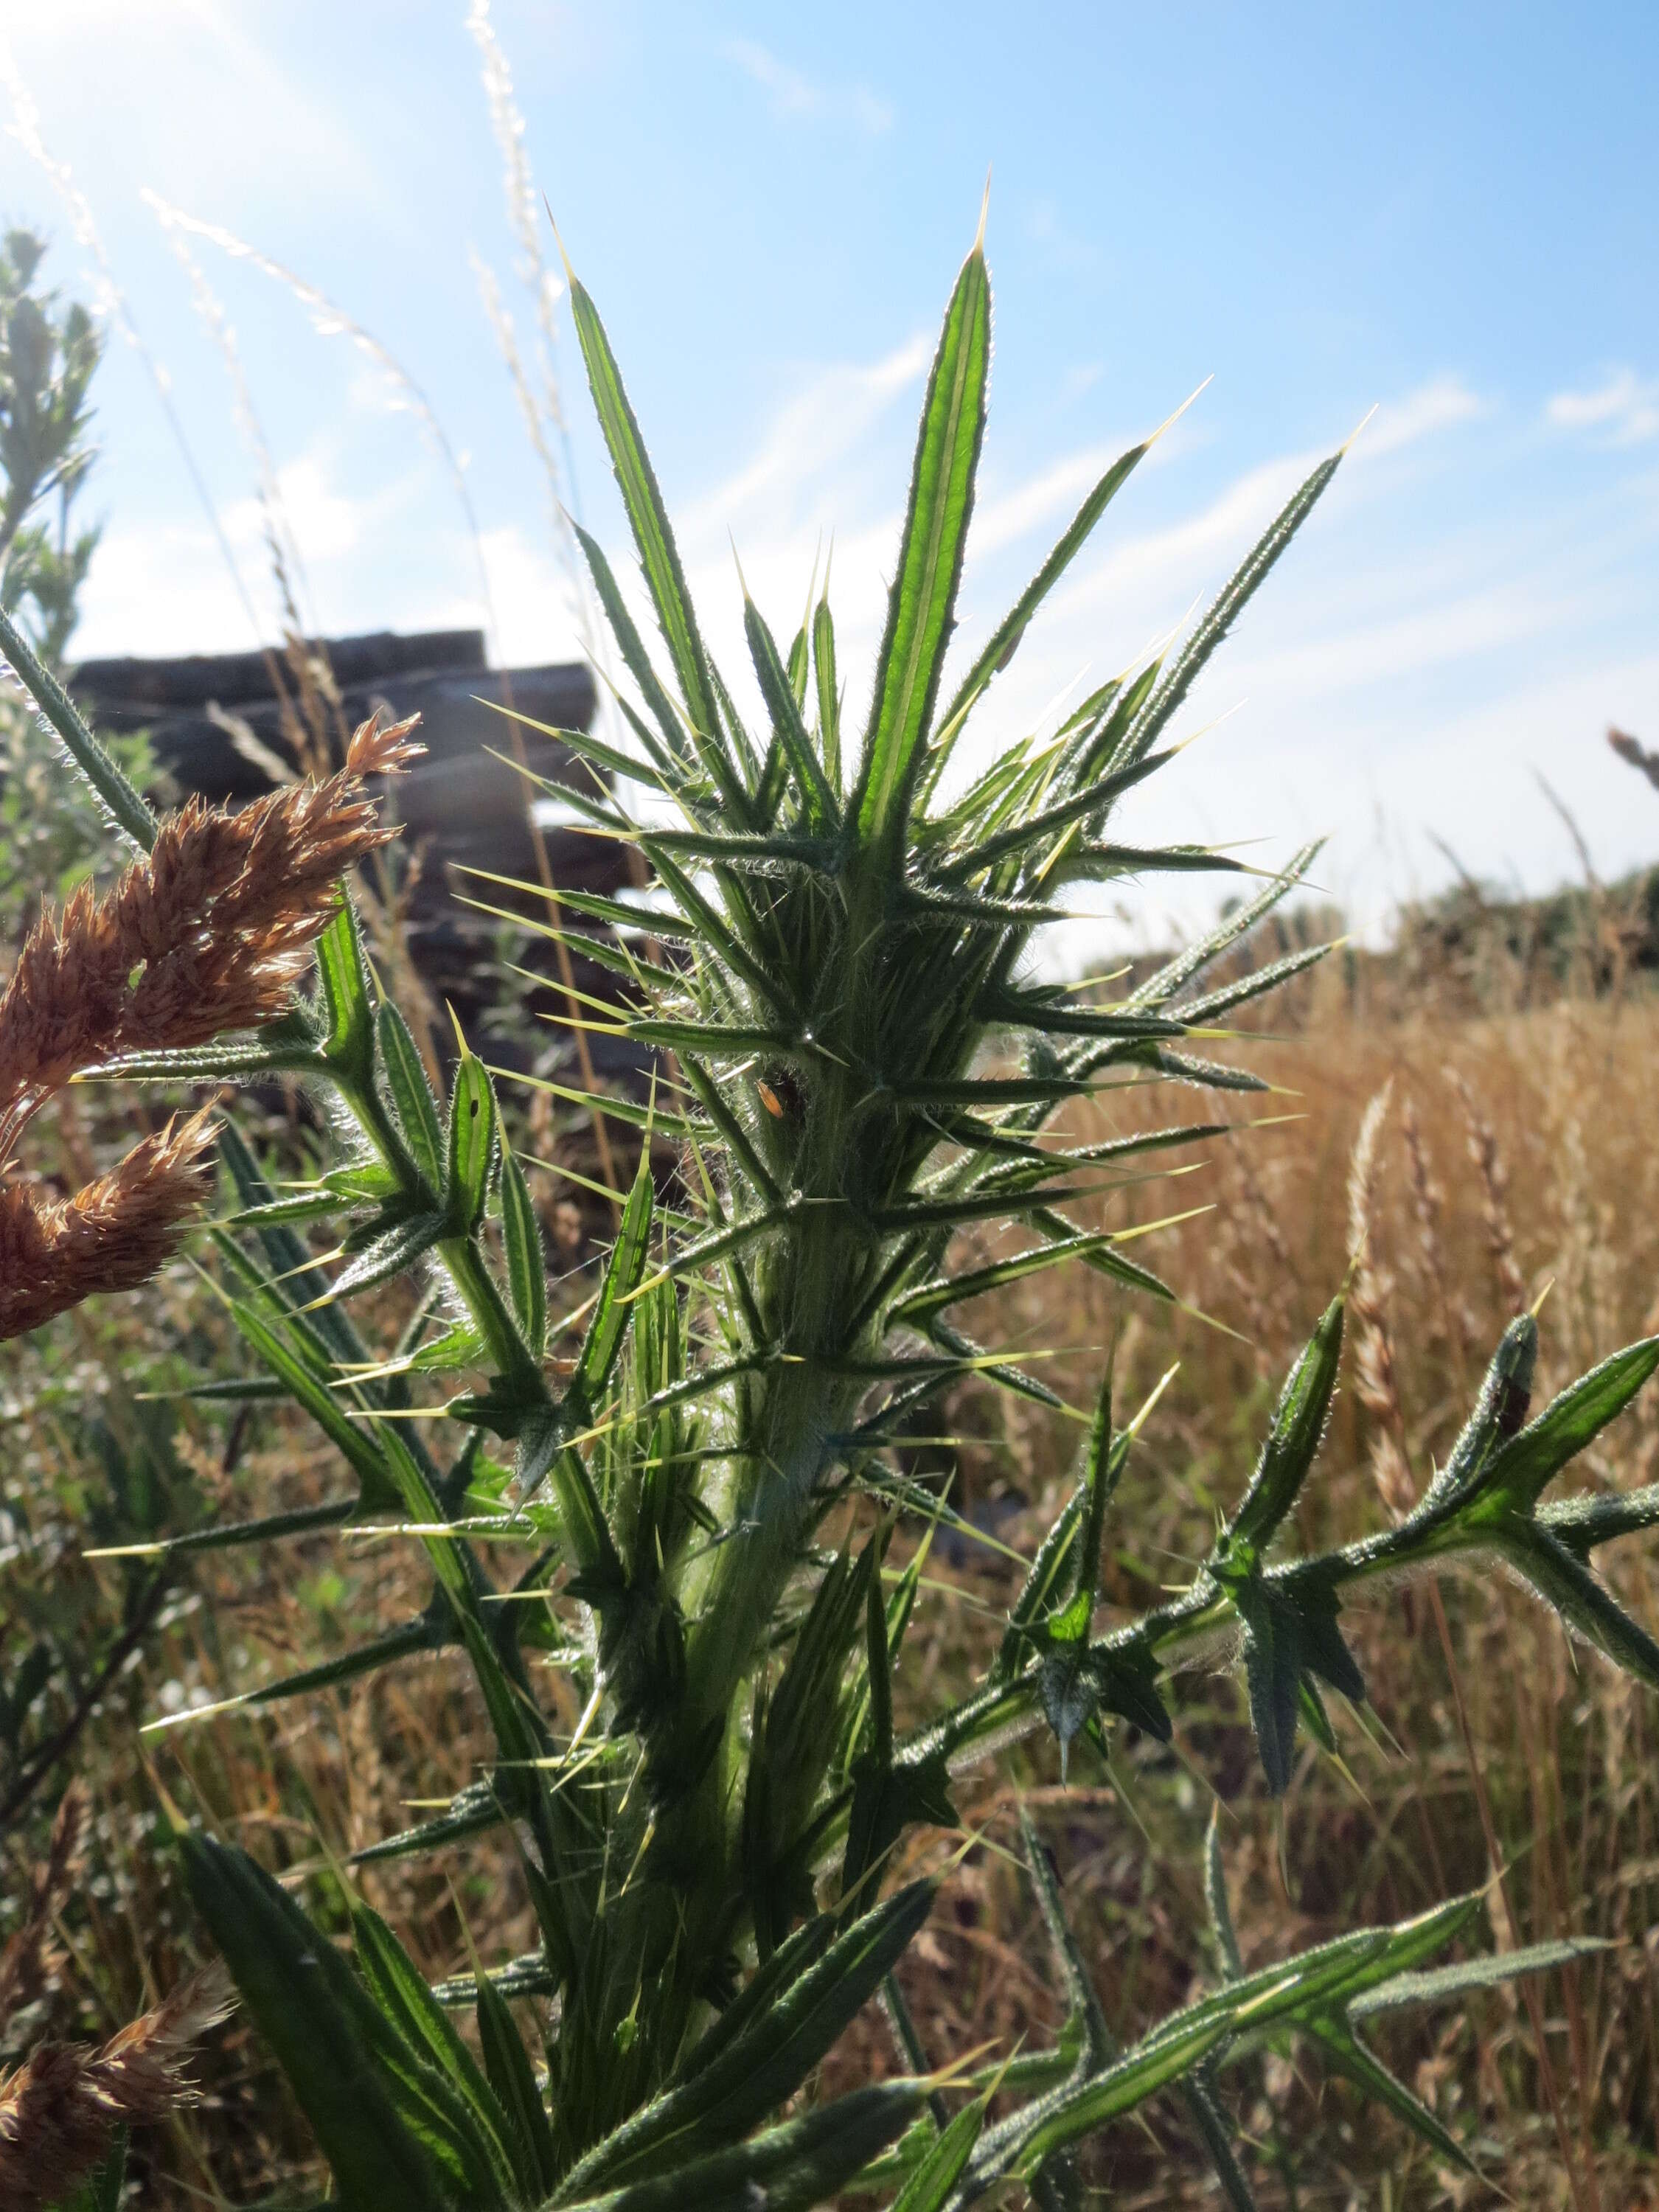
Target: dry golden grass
(1511, 1154)
(1514, 1152)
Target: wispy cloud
(791, 94)
(1439, 405)
(817, 427)
(1062, 246)
(1624, 408)
(163, 586)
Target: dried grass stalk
(59, 2109)
(1446, 1320)
(1494, 1195)
(1377, 1383)
(30, 1957)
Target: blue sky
(1449, 213)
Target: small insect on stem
(782, 1094)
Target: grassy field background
(1512, 1151)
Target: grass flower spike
(60, 2109)
(112, 1235)
(206, 935)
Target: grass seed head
(112, 1235)
(59, 2109)
(207, 933)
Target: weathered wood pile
(224, 725)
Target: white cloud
(831, 415)
(791, 95)
(167, 587)
(1436, 405)
(1001, 522)
(1063, 247)
(1624, 408)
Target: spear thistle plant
(703, 1484)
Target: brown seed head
(1494, 1195)
(208, 933)
(1377, 1383)
(111, 1236)
(58, 2111)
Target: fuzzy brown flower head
(111, 1236)
(58, 2111)
(208, 933)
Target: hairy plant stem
(811, 1297)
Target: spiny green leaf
(739, 848)
(1004, 641)
(823, 668)
(1344, 2050)
(328, 1408)
(761, 2067)
(1272, 1669)
(471, 2114)
(1177, 974)
(654, 920)
(471, 1812)
(955, 1290)
(513, 2082)
(1259, 982)
(1593, 1518)
(921, 606)
(1520, 1470)
(1050, 821)
(225, 1062)
(1180, 1067)
(791, 2168)
(621, 1275)
(1434, 1985)
(521, 1238)
(594, 751)
(1584, 1604)
(344, 972)
(636, 657)
(1102, 863)
(426, 1632)
(718, 1040)
(1102, 1466)
(326, 2034)
(304, 1205)
(1211, 2123)
(659, 555)
(1085, 2020)
(1227, 608)
(393, 1252)
(1499, 1413)
(1298, 1423)
(1296, 1990)
(1038, 1009)
(1041, 1586)
(111, 785)
(818, 800)
(471, 1153)
(929, 2187)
